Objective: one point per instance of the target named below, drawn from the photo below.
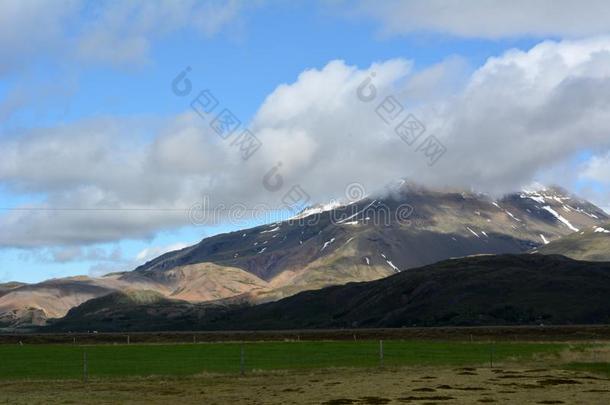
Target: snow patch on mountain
(560, 218)
(351, 223)
(393, 266)
(580, 210)
(327, 243)
(473, 232)
(318, 209)
(512, 216)
(356, 214)
(534, 196)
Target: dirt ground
(332, 386)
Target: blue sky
(77, 81)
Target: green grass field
(66, 362)
(597, 368)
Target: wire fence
(27, 361)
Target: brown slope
(6, 287)
(54, 298)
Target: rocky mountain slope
(366, 240)
(483, 290)
(590, 244)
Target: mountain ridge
(526, 289)
(364, 240)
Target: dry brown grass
(333, 387)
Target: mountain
(33, 304)
(36, 302)
(527, 289)
(365, 240)
(591, 244)
(142, 311)
(5, 287)
(121, 300)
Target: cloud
(594, 174)
(67, 254)
(123, 32)
(102, 174)
(31, 28)
(598, 169)
(108, 179)
(518, 114)
(492, 19)
(154, 251)
(112, 262)
(108, 32)
(525, 111)
(77, 253)
(505, 125)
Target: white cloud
(31, 28)
(123, 32)
(520, 113)
(107, 32)
(114, 262)
(155, 251)
(595, 173)
(78, 253)
(598, 169)
(488, 19)
(515, 117)
(103, 174)
(525, 111)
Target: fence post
(491, 356)
(381, 353)
(242, 370)
(85, 371)
(127, 339)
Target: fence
(20, 361)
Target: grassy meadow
(100, 361)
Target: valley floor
(417, 385)
(307, 372)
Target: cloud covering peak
(502, 126)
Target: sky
(128, 129)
